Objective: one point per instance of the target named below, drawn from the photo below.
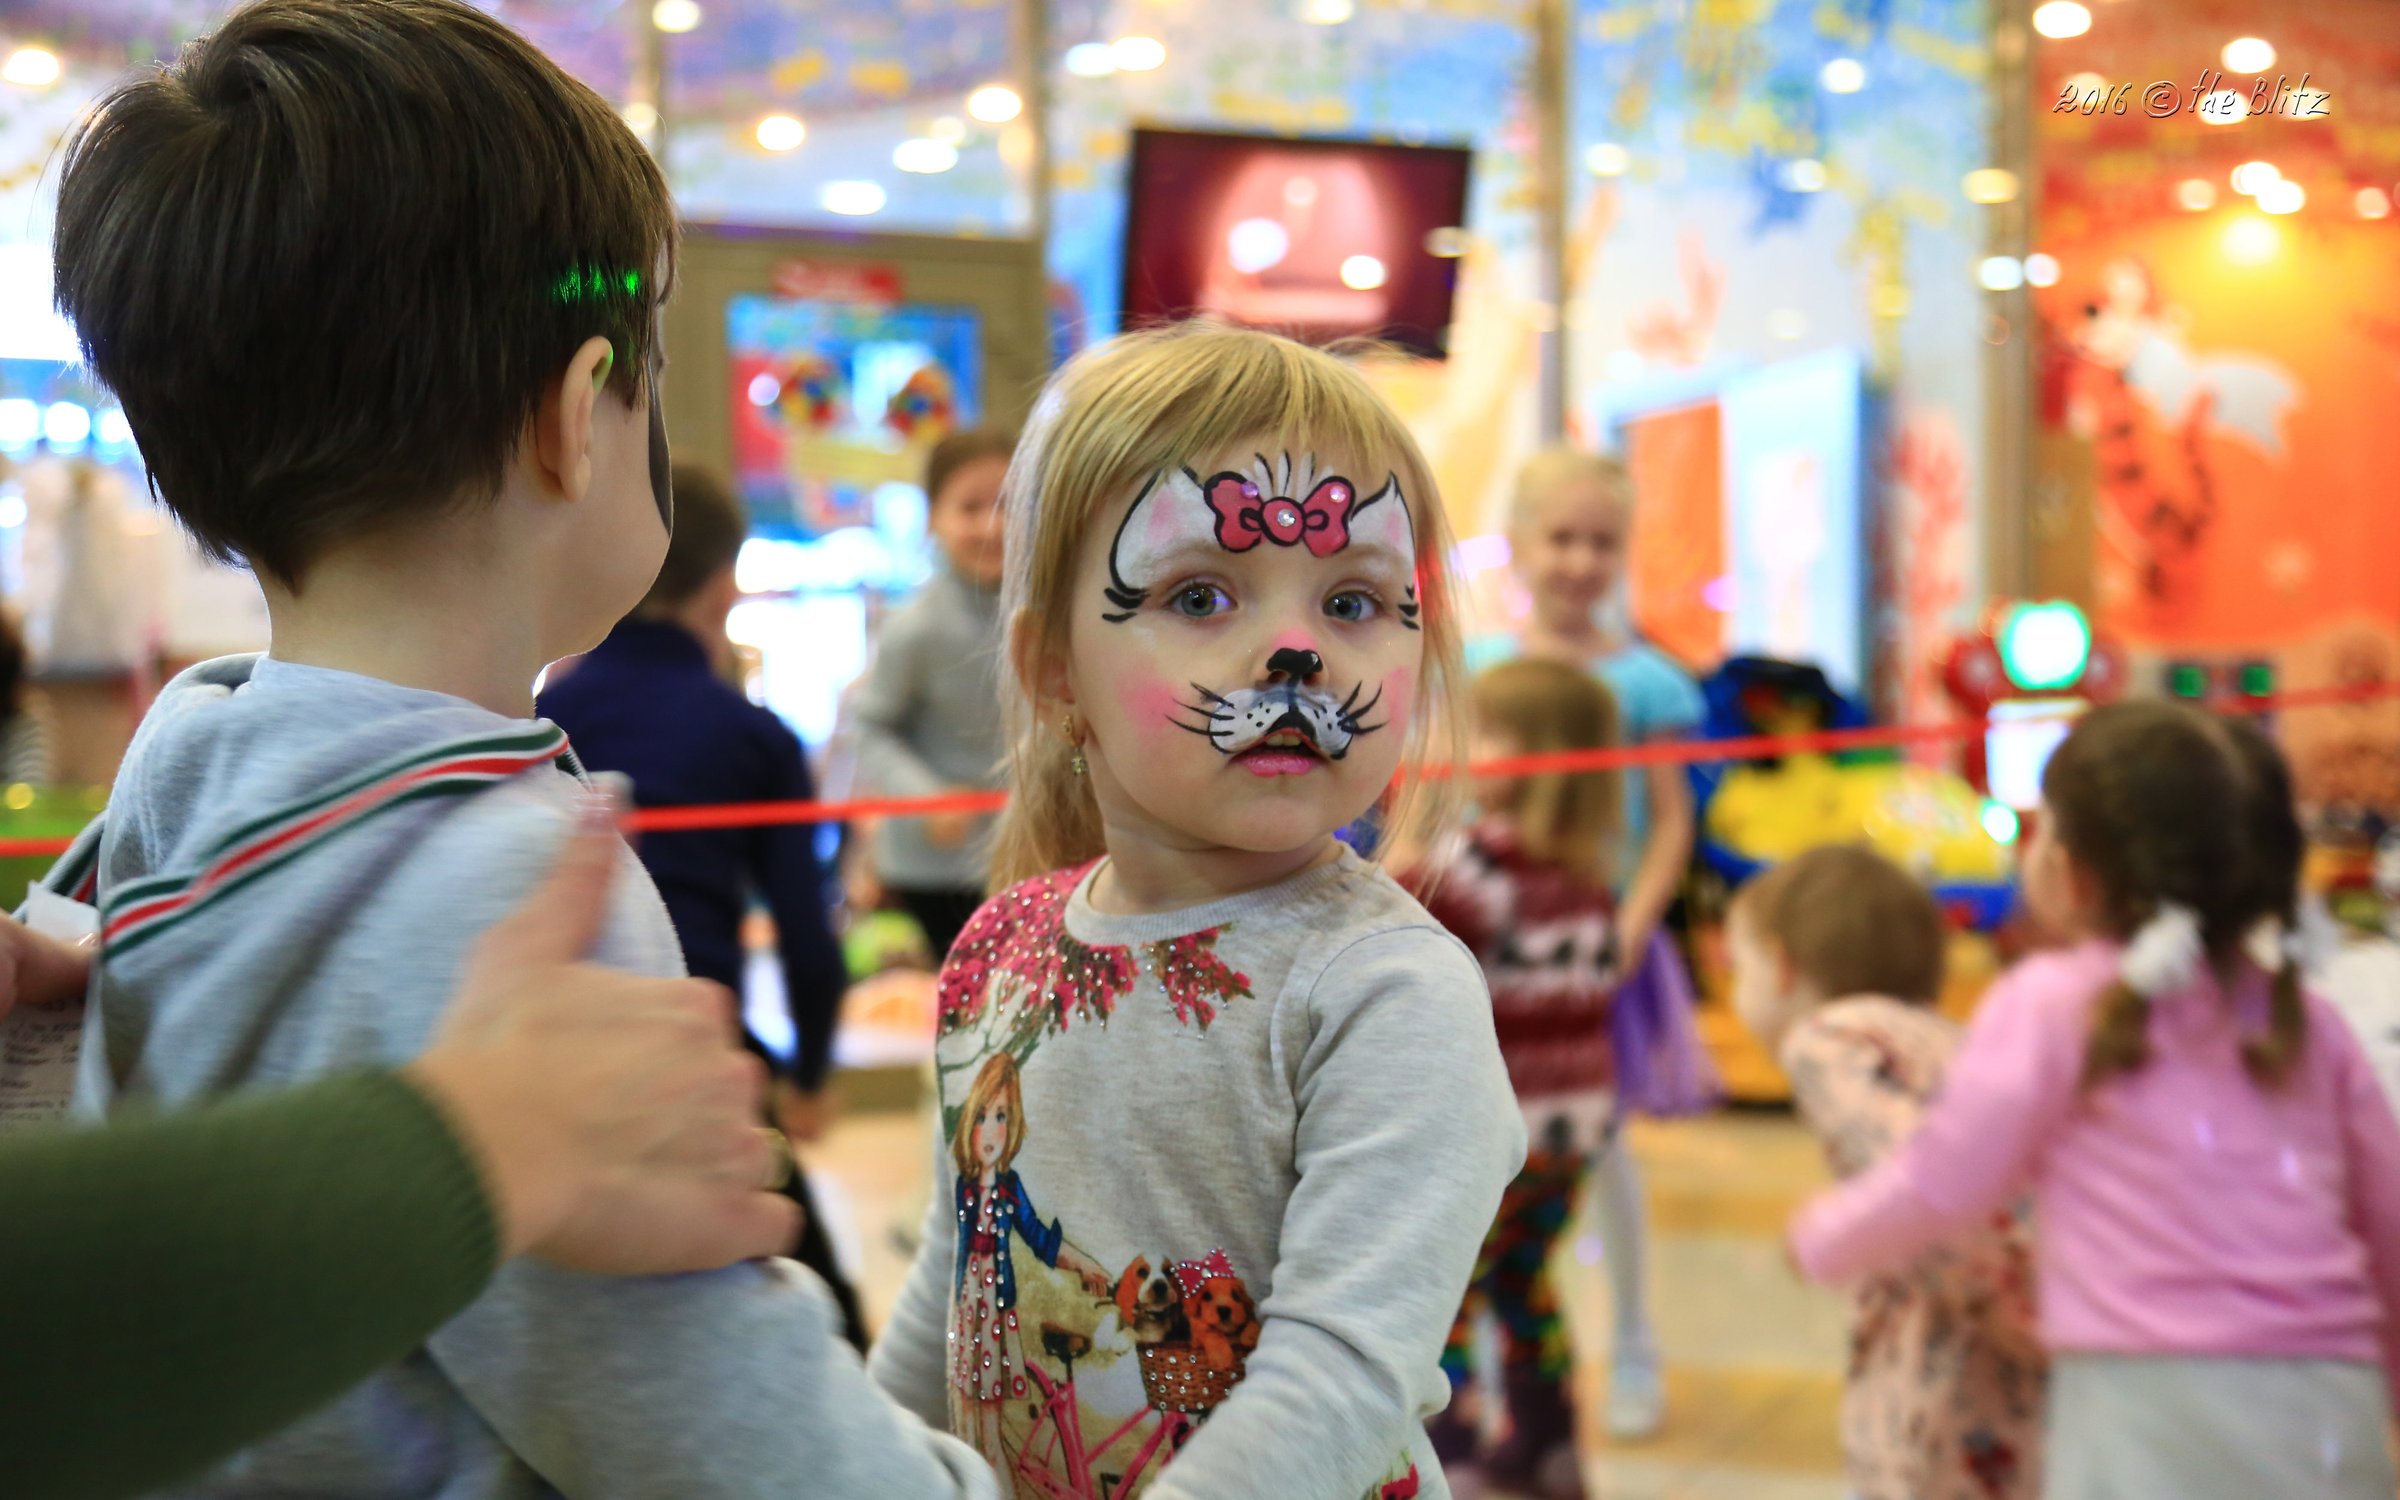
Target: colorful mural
(2216, 379)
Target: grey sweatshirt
(928, 713)
(296, 861)
(1279, 1126)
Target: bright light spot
(2372, 203)
(1989, 185)
(1362, 273)
(1091, 60)
(1327, 12)
(853, 197)
(675, 15)
(2045, 646)
(1300, 192)
(1138, 54)
(1448, 243)
(950, 130)
(115, 431)
(924, 154)
(2000, 822)
(2087, 84)
(1623, 364)
(2000, 273)
(31, 68)
(765, 389)
(2249, 54)
(2282, 196)
(1255, 244)
(1607, 159)
(995, 104)
(2041, 270)
(1843, 75)
(2060, 19)
(20, 422)
(641, 117)
(2225, 107)
(1787, 323)
(66, 425)
(12, 511)
(781, 133)
(1807, 175)
(20, 797)
(2251, 177)
(2196, 194)
(2251, 240)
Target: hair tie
(2166, 955)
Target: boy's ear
(1042, 674)
(562, 428)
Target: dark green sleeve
(173, 1288)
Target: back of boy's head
(1560, 468)
(1568, 817)
(1119, 413)
(2162, 804)
(710, 527)
(1849, 922)
(966, 446)
(331, 258)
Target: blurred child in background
(1526, 888)
(2215, 1174)
(1837, 961)
(1570, 528)
(928, 709)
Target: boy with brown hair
(377, 286)
(1837, 961)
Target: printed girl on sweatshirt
(1193, 1026)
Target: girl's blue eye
(1354, 606)
(1198, 601)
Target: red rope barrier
(1678, 752)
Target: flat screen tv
(1320, 239)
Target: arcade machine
(2028, 671)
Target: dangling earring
(1075, 762)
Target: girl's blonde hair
(1568, 818)
(997, 1080)
(1117, 414)
(1555, 468)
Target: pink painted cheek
(1155, 704)
(1400, 696)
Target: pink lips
(1265, 762)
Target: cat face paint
(1262, 607)
(1181, 517)
(1249, 717)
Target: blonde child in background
(1570, 526)
(1837, 961)
(1525, 887)
(1230, 625)
(2215, 1175)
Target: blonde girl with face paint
(1258, 1081)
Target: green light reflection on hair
(590, 283)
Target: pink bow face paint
(1249, 670)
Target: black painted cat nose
(1297, 665)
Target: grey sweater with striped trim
(295, 863)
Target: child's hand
(38, 970)
(1095, 1279)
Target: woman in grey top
(928, 709)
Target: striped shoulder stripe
(138, 912)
